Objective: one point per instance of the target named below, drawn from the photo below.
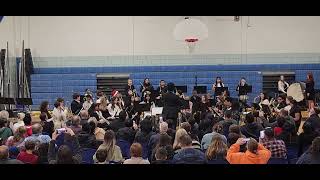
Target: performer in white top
(282, 85)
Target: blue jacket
(189, 156)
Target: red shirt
(27, 158)
(29, 131)
(277, 131)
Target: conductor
(171, 106)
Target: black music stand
(184, 89)
(246, 89)
(219, 90)
(200, 89)
(24, 102)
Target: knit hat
(114, 93)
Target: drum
(296, 90)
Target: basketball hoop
(191, 43)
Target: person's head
(61, 101)
(64, 155)
(30, 145)
(180, 132)
(21, 116)
(217, 147)
(75, 121)
(3, 122)
(290, 100)
(310, 77)
(252, 146)
(136, 150)
(84, 114)
(234, 129)
(249, 118)
(43, 150)
(269, 133)
(146, 81)
(88, 98)
(27, 119)
(19, 134)
(122, 115)
(186, 126)
(44, 106)
(315, 147)
(227, 114)
(281, 98)
(128, 122)
(56, 104)
(243, 81)
(280, 121)
(99, 94)
(263, 96)
(130, 82)
(163, 127)
(164, 140)
(76, 96)
(93, 120)
(217, 128)
(171, 87)
(146, 125)
(162, 83)
(218, 80)
(185, 141)
(204, 98)
(161, 154)
(43, 116)
(109, 139)
(147, 97)
(101, 155)
(282, 78)
(232, 138)
(4, 152)
(228, 101)
(307, 128)
(37, 128)
(283, 113)
(4, 114)
(194, 93)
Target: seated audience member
(75, 124)
(227, 122)
(177, 144)
(19, 122)
(276, 147)
(306, 137)
(207, 138)
(27, 123)
(13, 152)
(17, 138)
(43, 153)
(4, 114)
(86, 136)
(47, 124)
(5, 132)
(119, 123)
(65, 155)
(127, 133)
(251, 128)
(84, 116)
(164, 142)
(161, 156)
(27, 156)
(37, 135)
(109, 144)
(314, 119)
(4, 156)
(195, 141)
(187, 154)
(101, 156)
(154, 139)
(312, 155)
(143, 136)
(217, 151)
(136, 155)
(186, 126)
(98, 132)
(235, 129)
(76, 105)
(255, 154)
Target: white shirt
(17, 125)
(86, 105)
(114, 112)
(281, 86)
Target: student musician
(114, 108)
(146, 87)
(242, 92)
(196, 100)
(204, 106)
(148, 101)
(88, 102)
(217, 84)
(76, 105)
(130, 87)
(282, 85)
(162, 89)
(310, 92)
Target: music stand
(184, 89)
(200, 89)
(7, 101)
(24, 101)
(246, 89)
(219, 90)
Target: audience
(187, 154)
(251, 128)
(227, 122)
(43, 153)
(27, 122)
(166, 143)
(17, 139)
(177, 143)
(217, 150)
(86, 136)
(75, 125)
(143, 136)
(84, 116)
(161, 156)
(128, 132)
(37, 135)
(98, 132)
(5, 132)
(154, 139)
(136, 155)
(314, 119)
(101, 156)
(207, 138)
(256, 153)
(19, 122)
(276, 147)
(47, 124)
(119, 122)
(312, 155)
(27, 156)
(4, 156)
(306, 137)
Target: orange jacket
(236, 157)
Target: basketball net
(191, 43)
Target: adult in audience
(136, 155)
(64, 155)
(5, 132)
(128, 132)
(161, 156)
(19, 122)
(312, 155)
(17, 138)
(119, 122)
(37, 135)
(75, 124)
(187, 154)
(84, 116)
(227, 122)
(276, 147)
(306, 137)
(314, 119)
(98, 132)
(217, 150)
(101, 156)
(256, 153)
(27, 122)
(27, 156)
(47, 124)
(109, 144)
(171, 105)
(4, 156)
(164, 142)
(43, 153)
(76, 105)
(44, 108)
(143, 136)
(154, 139)
(86, 136)
(251, 128)
(177, 144)
(207, 138)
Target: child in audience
(27, 156)
(101, 156)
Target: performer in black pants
(310, 92)
(242, 92)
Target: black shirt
(76, 107)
